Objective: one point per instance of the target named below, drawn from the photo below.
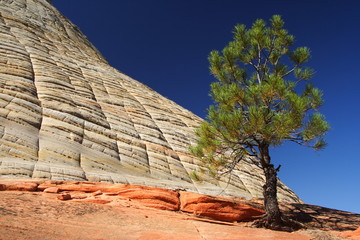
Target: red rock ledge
(212, 207)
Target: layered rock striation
(65, 114)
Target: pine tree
(259, 102)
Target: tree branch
(257, 71)
(259, 64)
(267, 56)
(290, 71)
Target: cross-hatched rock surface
(66, 114)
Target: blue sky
(165, 45)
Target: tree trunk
(273, 214)
(274, 219)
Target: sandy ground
(37, 215)
(98, 211)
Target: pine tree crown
(258, 99)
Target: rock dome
(66, 114)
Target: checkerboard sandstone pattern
(66, 114)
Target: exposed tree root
(284, 224)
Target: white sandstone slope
(66, 114)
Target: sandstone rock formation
(352, 234)
(45, 218)
(209, 208)
(66, 114)
(93, 210)
(219, 209)
(200, 205)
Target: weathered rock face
(66, 114)
(219, 209)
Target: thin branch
(256, 69)
(270, 51)
(302, 143)
(290, 71)
(267, 56)
(259, 64)
(253, 64)
(254, 152)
